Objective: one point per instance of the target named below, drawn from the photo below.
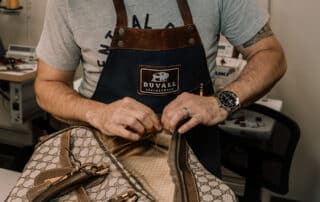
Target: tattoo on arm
(263, 33)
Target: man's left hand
(193, 109)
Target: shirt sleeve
(57, 46)
(241, 20)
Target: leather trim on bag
(66, 162)
(162, 39)
(33, 192)
(190, 181)
(64, 150)
(52, 173)
(82, 195)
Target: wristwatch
(228, 100)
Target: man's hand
(195, 108)
(126, 118)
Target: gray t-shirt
(80, 31)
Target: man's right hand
(126, 118)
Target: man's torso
(93, 28)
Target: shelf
(9, 11)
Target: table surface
(7, 182)
(19, 76)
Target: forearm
(264, 68)
(59, 98)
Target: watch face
(229, 100)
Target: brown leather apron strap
(122, 18)
(185, 12)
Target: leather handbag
(81, 164)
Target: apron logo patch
(158, 80)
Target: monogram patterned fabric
(45, 157)
(87, 149)
(210, 188)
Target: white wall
(297, 25)
(26, 27)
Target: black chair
(263, 163)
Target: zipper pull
(129, 196)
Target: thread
(13, 4)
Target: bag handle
(64, 180)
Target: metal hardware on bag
(103, 171)
(61, 185)
(129, 196)
(89, 168)
(94, 170)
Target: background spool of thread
(13, 4)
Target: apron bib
(153, 66)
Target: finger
(133, 123)
(169, 111)
(179, 116)
(194, 121)
(146, 116)
(145, 120)
(121, 131)
(156, 122)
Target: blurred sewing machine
(18, 107)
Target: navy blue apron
(153, 66)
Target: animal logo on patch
(158, 80)
(160, 77)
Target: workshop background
(296, 24)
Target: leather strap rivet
(120, 43)
(121, 31)
(191, 41)
(190, 28)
